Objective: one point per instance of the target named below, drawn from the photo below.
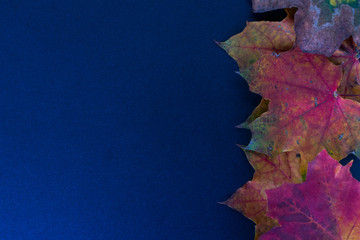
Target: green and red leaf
(238, 47)
(306, 114)
(251, 199)
(259, 38)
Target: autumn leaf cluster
(306, 68)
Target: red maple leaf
(348, 57)
(305, 114)
(324, 207)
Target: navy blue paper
(117, 120)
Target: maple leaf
(305, 114)
(348, 56)
(251, 199)
(320, 25)
(247, 47)
(259, 51)
(324, 207)
(258, 38)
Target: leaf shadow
(355, 168)
(275, 15)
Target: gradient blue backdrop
(117, 119)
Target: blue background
(118, 119)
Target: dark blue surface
(117, 120)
